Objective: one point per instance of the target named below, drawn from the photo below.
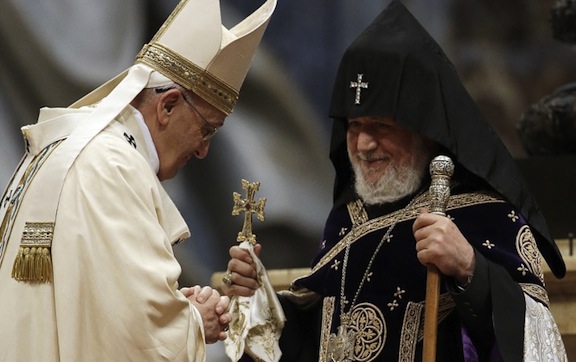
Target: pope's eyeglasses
(208, 130)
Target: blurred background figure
(548, 127)
(563, 19)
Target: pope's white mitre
(194, 49)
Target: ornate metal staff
(441, 170)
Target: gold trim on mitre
(190, 76)
(194, 49)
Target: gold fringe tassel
(33, 264)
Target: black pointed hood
(395, 68)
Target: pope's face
(374, 143)
(188, 134)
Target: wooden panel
(280, 278)
(570, 344)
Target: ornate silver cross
(358, 85)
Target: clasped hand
(214, 311)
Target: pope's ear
(166, 102)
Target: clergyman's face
(389, 161)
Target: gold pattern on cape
(537, 292)
(249, 207)
(9, 207)
(528, 251)
(357, 212)
(346, 345)
(446, 305)
(455, 202)
(413, 325)
(33, 262)
(17, 193)
(413, 321)
(367, 322)
(327, 315)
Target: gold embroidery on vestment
(360, 230)
(528, 251)
(488, 244)
(413, 325)
(357, 212)
(513, 216)
(366, 323)
(396, 296)
(522, 269)
(409, 335)
(34, 262)
(369, 325)
(537, 292)
(14, 202)
(445, 306)
(336, 264)
(472, 199)
(327, 314)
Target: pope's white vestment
(113, 295)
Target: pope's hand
(214, 311)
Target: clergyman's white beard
(397, 181)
